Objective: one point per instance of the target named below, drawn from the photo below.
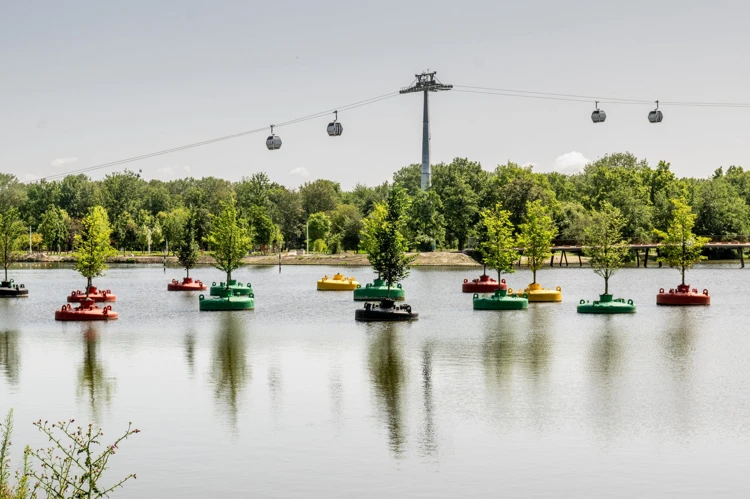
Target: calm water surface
(295, 399)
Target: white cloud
(531, 164)
(30, 177)
(301, 171)
(570, 162)
(167, 170)
(57, 162)
(187, 169)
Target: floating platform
(234, 286)
(500, 300)
(337, 283)
(227, 301)
(485, 284)
(9, 289)
(536, 293)
(606, 305)
(377, 290)
(96, 295)
(187, 284)
(683, 296)
(385, 310)
(85, 311)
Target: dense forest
(446, 216)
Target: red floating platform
(187, 284)
(85, 311)
(485, 284)
(683, 296)
(97, 295)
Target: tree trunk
(229, 278)
(683, 275)
(606, 285)
(88, 285)
(188, 272)
(534, 272)
(6, 273)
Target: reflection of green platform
(500, 301)
(228, 300)
(378, 291)
(234, 286)
(9, 289)
(606, 305)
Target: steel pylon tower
(426, 82)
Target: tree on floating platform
(536, 234)
(187, 253)
(603, 242)
(384, 241)
(92, 245)
(11, 230)
(498, 244)
(230, 240)
(680, 248)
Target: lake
(297, 400)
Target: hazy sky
(88, 82)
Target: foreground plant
(70, 468)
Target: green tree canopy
(230, 239)
(187, 253)
(318, 227)
(55, 228)
(499, 245)
(603, 242)
(11, 230)
(92, 245)
(681, 249)
(425, 224)
(320, 195)
(536, 234)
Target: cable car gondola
(334, 128)
(598, 116)
(273, 142)
(656, 116)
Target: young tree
(229, 239)
(386, 242)
(536, 234)
(499, 246)
(680, 247)
(603, 242)
(11, 229)
(187, 253)
(92, 245)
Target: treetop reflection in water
(93, 379)
(229, 370)
(10, 360)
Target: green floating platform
(606, 305)
(236, 287)
(378, 290)
(500, 300)
(227, 300)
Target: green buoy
(606, 305)
(228, 300)
(378, 291)
(236, 287)
(500, 300)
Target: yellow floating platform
(536, 293)
(337, 283)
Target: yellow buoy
(337, 283)
(536, 293)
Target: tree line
(331, 219)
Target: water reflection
(190, 353)
(606, 351)
(428, 439)
(605, 361)
(679, 342)
(10, 359)
(679, 345)
(93, 379)
(537, 348)
(499, 349)
(388, 377)
(230, 372)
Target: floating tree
(603, 242)
(680, 248)
(536, 234)
(187, 253)
(92, 245)
(498, 246)
(11, 230)
(229, 240)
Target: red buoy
(682, 296)
(97, 295)
(85, 311)
(485, 284)
(187, 284)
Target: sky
(90, 82)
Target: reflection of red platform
(86, 311)
(683, 295)
(485, 284)
(97, 295)
(187, 284)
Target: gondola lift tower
(426, 82)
